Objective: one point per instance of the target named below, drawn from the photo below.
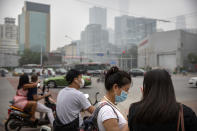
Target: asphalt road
(184, 93)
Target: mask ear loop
(115, 92)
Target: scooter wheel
(12, 124)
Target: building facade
(111, 36)
(94, 39)
(124, 6)
(180, 22)
(9, 60)
(168, 50)
(95, 46)
(131, 30)
(8, 37)
(34, 27)
(98, 15)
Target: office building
(34, 27)
(98, 15)
(8, 37)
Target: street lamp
(41, 44)
(66, 36)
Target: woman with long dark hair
(117, 85)
(20, 100)
(158, 110)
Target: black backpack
(90, 123)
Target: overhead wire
(166, 20)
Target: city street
(49, 38)
(184, 93)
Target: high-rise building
(94, 39)
(180, 22)
(124, 7)
(130, 30)
(111, 35)
(98, 15)
(34, 27)
(8, 36)
(94, 44)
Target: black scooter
(18, 118)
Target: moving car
(137, 72)
(61, 71)
(17, 72)
(61, 81)
(27, 71)
(51, 72)
(193, 82)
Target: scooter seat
(16, 108)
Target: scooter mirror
(86, 95)
(38, 85)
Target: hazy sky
(70, 17)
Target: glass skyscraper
(34, 27)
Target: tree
(30, 57)
(192, 58)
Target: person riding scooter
(70, 101)
(32, 95)
(20, 100)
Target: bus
(28, 69)
(93, 69)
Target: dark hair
(158, 103)
(116, 76)
(24, 79)
(34, 78)
(71, 75)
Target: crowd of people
(157, 110)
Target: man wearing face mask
(117, 85)
(70, 101)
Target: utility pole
(41, 48)
(66, 36)
(41, 56)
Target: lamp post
(66, 36)
(41, 44)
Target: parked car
(193, 81)
(137, 72)
(93, 72)
(61, 71)
(17, 72)
(61, 81)
(27, 71)
(5, 70)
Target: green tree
(192, 58)
(30, 57)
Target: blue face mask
(122, 97)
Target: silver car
(193, 82)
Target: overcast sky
(70, 17)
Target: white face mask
(82, 83)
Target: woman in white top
(117, 84)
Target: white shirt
(106, 112)
(69, 104)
